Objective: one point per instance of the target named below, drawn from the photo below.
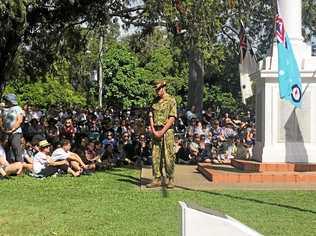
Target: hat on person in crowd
(159, 84)
(43, 143)
(10, 97)
(36, 139)
(194, 147)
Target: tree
(164, 60)
(131, 66)
(126, 84)
(38, 27)
(309, 18)
(12, 24)
(35, 34)
(52, 90)
(197, 28)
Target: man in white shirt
(64, 153)
(44, 165)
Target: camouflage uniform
(163, 153)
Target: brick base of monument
(245, 171)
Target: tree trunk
(7, 55)
(13, 18)
(196, 80)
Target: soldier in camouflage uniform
(162, 118)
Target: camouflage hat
(159, 84)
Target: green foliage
(53, 89)
(163, 63)
(128, 76)
(126, 84)
(35, 34)
(12, 25)
(217, 98)
(309, 18)
(163, 60)
(49, 92)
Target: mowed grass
(111, 203)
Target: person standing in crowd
(12, 120)
(162, 118)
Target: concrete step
(249, 165)
(229, 174)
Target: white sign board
(198, 221)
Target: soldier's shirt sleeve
(173, 108)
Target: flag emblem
(296, 93)
(280, 29)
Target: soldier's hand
(158, 134)
(150, 130)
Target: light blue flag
(290, 84)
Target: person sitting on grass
(44, 165)
(91, 156)
(27, 158)
(64, 154)
(7, 169)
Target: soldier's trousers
(163, 155)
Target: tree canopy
(189, 43)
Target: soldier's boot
(154, 184)
(171, 183)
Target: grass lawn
(110, 203)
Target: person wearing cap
(44, 165)
(12, 120)
(162, 118)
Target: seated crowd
(212, 138)
(76, 142)
(81, 141)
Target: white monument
(285, 134)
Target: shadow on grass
(126, 178)
(251, 200)
(136, 181)
(129, 181)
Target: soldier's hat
(159, 84)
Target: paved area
(187, 177)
